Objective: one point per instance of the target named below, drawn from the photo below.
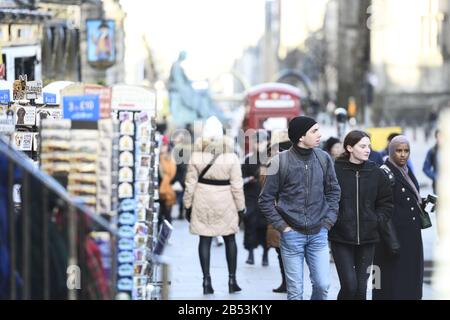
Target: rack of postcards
(154, 287)
(134, 107)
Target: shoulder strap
(282, 168)
(323, 163)
(208, 166)
(389, 174)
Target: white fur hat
(212, 128)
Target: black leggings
(204, 251)
(352, 262)
(280, 261)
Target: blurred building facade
(410, 58)
(400, 72)
(293, 42)
(46, 39)
(20, 39)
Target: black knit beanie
(299, 126)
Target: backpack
(283, 164)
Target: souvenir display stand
(135, 108)
(100, 144)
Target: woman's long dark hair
(352, 138)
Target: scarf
(302, 151)
(398, 140)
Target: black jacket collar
(345, 164)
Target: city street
(104, 102)
(257, 281)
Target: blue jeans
(295, 247)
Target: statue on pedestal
(187, 104)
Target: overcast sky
(213, 32)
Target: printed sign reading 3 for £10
(84, 108)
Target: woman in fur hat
(214, 198)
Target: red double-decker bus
(271, 106)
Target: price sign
(84, 108)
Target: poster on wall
(100, 42)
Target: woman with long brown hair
(366, 199)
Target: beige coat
(214, 208)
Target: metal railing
(26, 222)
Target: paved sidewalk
(256, 281)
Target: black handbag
(388, 236)
(425, 220)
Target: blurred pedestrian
(430, 125)
(214, 198)
(167, 171)
(300, 199)
(178, 180)
(401, 276)
(430, 166)
(255, 225)
(385, 152)
(218, 241)
(333, 146)
(376, 157)
(366, 197)
(330, 108)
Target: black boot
(250, 259)
(232, 284)
(281, 288)
(265, 258)
(180, 213)
(207, 285)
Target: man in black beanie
(299, 126)
(300, 198)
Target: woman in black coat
(401, 276)
(366, 199)
(255, 224)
